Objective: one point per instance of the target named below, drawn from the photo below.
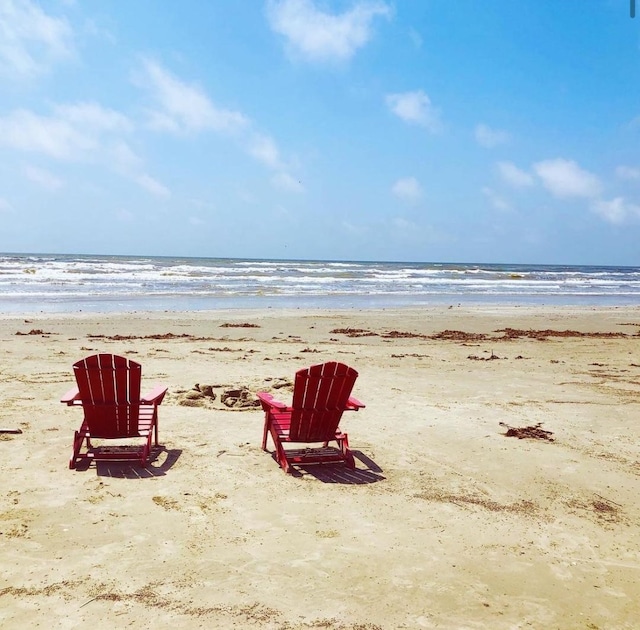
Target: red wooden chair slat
(320, 396)
(108, 389)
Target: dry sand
(446, 523)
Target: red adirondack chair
(320, 396)
(109, 392)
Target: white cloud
(490, 138)
(514, 176)
(616, 211)
(184, 107)
(287, 182)
(43, 178)
(80, 132)
(355, 229)
(628, 172)
(72, 132)
(98, 31)
(322, 36)
(94, 117)
(26, 131)
(408, 189)
(127, 163)
(30, 39)
(123, 158)
(564, 178)
(151, 185)
(496, 200)
(264, 149)
(415, 108)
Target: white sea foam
(107, 282)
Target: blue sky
(414, 130)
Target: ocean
(72, 283)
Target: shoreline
(489, 307)
(446, 522)
(330, 303)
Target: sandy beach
(447, 521)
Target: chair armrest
(72, 397)
(353, 404)
(155, 396)
(268, 402)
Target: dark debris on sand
(491, 357)
(542, 335)
(508, 334)
(458, 335)
(34, 331)
(353, 332)
(535, 432)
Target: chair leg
(281, 455)
(77, 445)
(282, 460)
(343, 443)
(265, 432)
(155, 428)
(146, 450)
(349, 461)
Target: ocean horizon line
(326, 260)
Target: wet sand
(447, 521)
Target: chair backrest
(320, 397)
(110, 392)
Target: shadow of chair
(332, 473)
(161, 460)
